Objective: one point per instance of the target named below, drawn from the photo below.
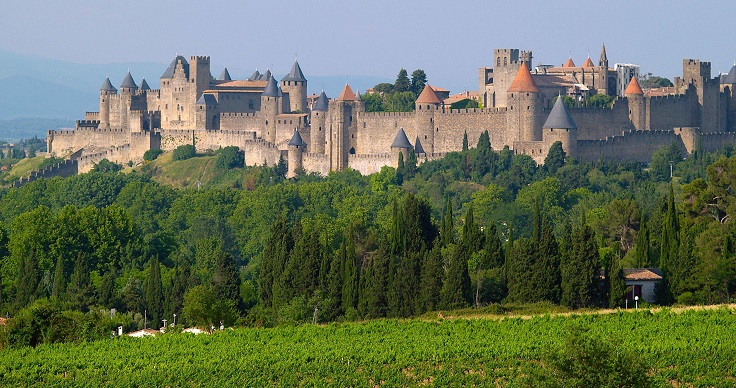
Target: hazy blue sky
(448, 39)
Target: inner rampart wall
(632, 145)
(451, 124)
(369, 164)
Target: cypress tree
(80, 290)
(154, 294)
(57, 290)
(447, 229)
(465, 141)
(519, 273)
(580, 270)
(617, 286)
(642, 243)
(106, 294)
(431, 279)
(351, 275)
(400, 170)
(410, 168)
(456, 285)
(546, 269)
(226, 280)
(180, 283)
(28, 280)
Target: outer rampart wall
(120, 155)
(377, 130)
(63, 169)
(600, 123)
(632, 145)
(319, 163)
(64, 142)
(451, 124)
(369, 164)
(667, 112)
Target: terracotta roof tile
(243, 84)
(641, 274)
(346, 94)
(569, 63)
(634, 88)
(428, 96)
(523, 81)
(588, 63)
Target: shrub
(152, 154)
(184, 152)
(230, 157)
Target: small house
(641, 282)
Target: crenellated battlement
(239, 114)
(385, 114)
(496, 110)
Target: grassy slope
(186, 173)
(691, 348)
(23, 168)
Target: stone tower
(523, 116)
(603, 60)
(106, 91)
(637, 105)
(506, 65)
(127, 90)
(207, 115)
(559, 126)
(200, 75)
(270, 106)
(401, 146)
(318, 121)
(296, 148)
(340, 122)
(296, 86)
(426, 105)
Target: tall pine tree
(154, 292)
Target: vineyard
(692, 348)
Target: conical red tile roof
(346, 94)
(428, 96)
(569, 63)
(523, 81)
(634, 88)
(588, 63)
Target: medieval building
(270, 119)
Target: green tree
(230, 157)
(616, 285)
(154, 293)
(383, 88)
(226, 280)
(418, 81)
(568, 101)
(465, 141)
(555, 158)
(399, 101)
(402, 83)
(431, 279)
(184, 152)
(203, 308)
(580, 271)
(373, 102)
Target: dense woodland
(477, 229)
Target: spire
(569, 63)
(107, 86)
(428, 96)
(418, 149)
(295, 74)
(523, 82)
(322, 103)
(296, 140)
(255, 76)
(128, 82)
(225, 75)
(271, 90)
(357, 96)
(559, 117)
(265, 76)
(144, 85)
(730, 78)
(603, 61)
(401, 141)
(347, 94)
(169, 73)
(588, 63)
(634, 88)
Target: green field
(692, 348)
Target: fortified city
(270, 119)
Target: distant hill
(38, 94)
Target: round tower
(637, 105)
(340, 123)
(296, 86)
(128, 86)
(425, 107)
(559, 126)
(269, 110)
(401, 146)
(106, 91)
(296, 149)
(318, 121)
(525, 107)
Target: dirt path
(678, 310)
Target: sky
(449, 40)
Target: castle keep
(270, 119)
